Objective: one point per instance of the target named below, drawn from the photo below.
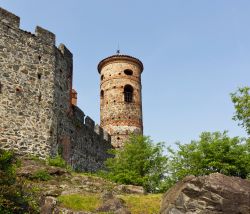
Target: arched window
(102, 94)
(128, 93)
(102, 77)
(128, 72)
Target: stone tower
(120, 97)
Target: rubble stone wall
(36, 114)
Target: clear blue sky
(194, 52)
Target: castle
(38, 111)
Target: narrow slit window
(102, 94)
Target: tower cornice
(119, 57)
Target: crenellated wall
(36, 113)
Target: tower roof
(119, 57)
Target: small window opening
(39, 58)
(114, 101)
(18, 90)
(114, 87)
(61, 70)
(1, 86)
(128, 93)
(40, 98)
(39, 76)
(118, 138)
(128, 72)
(102, 94)
(102, 77)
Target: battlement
(90, 124)
(45, 35)
(65, 51)
(9, 18)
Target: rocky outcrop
(130, 189)
(112, 204)
(212, 194)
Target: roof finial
(118, 49)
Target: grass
(143, 204)
(80, 202)
(137, 204)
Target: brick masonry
(37, 116)
(121, 117)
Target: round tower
(120, 97)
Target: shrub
(41, 175)
(140, 162)
(58, 161)
(15, 196)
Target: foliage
(15, 197)
(140, 162)
(213, 152)
(137, 204)
(79, 202)
(41, 175)
(241, 100)
(58, 161)
(7, 167)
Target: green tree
(241, 100)
(213, 152)
(140, 162)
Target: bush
(140, 162)
(15, 196)
(58, 161)
(41, 175)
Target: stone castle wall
(36, 113)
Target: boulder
(130, 189)
(112, 204)
(211, 194)
(48, 205)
